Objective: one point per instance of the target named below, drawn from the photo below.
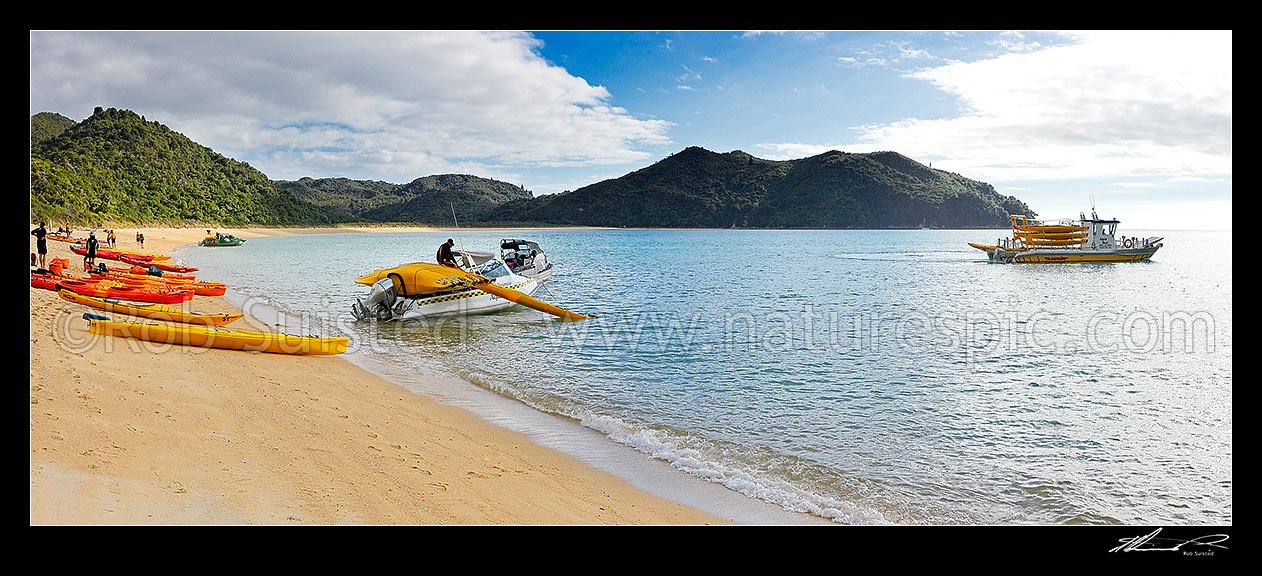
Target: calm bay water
(865, 377)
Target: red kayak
(127, 258)
(45, 281)
(81, 286)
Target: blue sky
(1138, 122)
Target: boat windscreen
(492, 269)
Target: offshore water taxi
(1084, 240)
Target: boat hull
(1038, 256)
(472, 301)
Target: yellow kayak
(1052, 235)
(210, 337)
(1051, 229)
(154, 311)
(1053, 242)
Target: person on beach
(111, 240)
(89, 257)
(444, 254)
(41, 245)
(140, 237)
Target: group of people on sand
(92, 244)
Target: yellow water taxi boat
(1084, 240)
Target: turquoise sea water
(865, 377)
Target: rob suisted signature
(1151, 543)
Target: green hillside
(117, 167)
(700, 188)
(47, 125)
(428, 200)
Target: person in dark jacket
(41, 245)
(89, 257)
(444, 254)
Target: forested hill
(47, 125)
(117, 167)
(700, 188)
(444, 199)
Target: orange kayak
(108, 289)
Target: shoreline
(560, 433)
(130, 433)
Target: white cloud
(793, 150)
(1115, 105)
(388, 105)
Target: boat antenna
(453, 219)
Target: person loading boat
(444, 254)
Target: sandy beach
(139, 434)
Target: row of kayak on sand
(154, 261)
(196, 329)
(133, 283)
(144, 291)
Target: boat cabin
(523, 254)
(1099, 232)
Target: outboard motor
(381, 299)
